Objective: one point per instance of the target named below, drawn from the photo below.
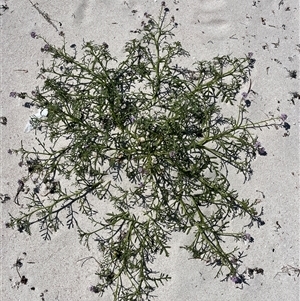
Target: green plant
(142, 148)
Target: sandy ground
(269, 29)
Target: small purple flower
(248, 238)
(244, 95)
(236, 279)
(142, 170)
(132, 119)
(261, 150)
(13, 94)
(250, 55)
(172, 154)
(33, 35)
(47, 47)
(257, 144)
(283, 117)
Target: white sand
(269, 29)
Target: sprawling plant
(141, 148)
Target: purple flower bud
(283, 117)
(286, 126)
(250, 54)
(13, 94)
(94, 289)
(262, 151)
(247, 103)
(33, 34)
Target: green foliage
(142, 149)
